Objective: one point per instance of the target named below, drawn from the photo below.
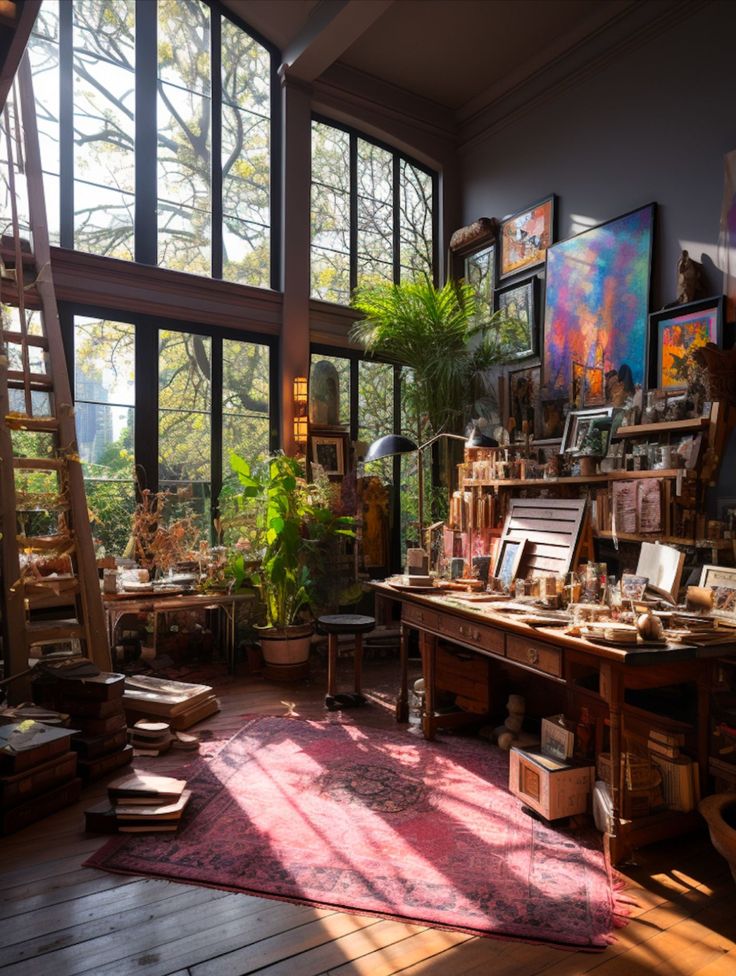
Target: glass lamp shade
(388, 445)
(300, 430)
(300, 389)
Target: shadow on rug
(379, 823)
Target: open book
(662, 565)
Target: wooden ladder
(38, 437)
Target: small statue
(509, 732)
(689, 279)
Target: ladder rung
(17, 338)
(45, 543)
(37, 381)
(48, 424)
(40, 464)
(42, 631)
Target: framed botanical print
(580, 422)
(674, 333)
(525, 236)
(518, 304)
(480, 274)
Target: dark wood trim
(13, 52)
(216, 180)
(146, 129)
(109, 283)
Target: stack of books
(140, 803)
(94, 703)
(38, 772)
(149, 738)
(680, 775)
(176, 702)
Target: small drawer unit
(554, 788)
(473, 634)
(534, 654)
(419, 617)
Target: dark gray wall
(652, 124)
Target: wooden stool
(344, 623)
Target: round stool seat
(345, 623)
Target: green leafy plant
(440, 334)
(284, 528)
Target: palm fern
(439, 335)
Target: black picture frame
(479, 271)
(520, 299)
(578, 422)
(708, 311)
(524, 236)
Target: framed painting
(597, 301)
(518, 303)
(674, 333)
(329, 452)
(525, 236)
(480, 274)
(523, 388)
(580, 422)
(552, 421)
(509, 559)
(722, 580)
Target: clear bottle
(613, 597)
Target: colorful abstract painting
(597, 299)
(677, 335)
(525, 236)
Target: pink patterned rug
(332, 815)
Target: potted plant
(285, 525)
(591, 450)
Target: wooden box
(553, 787)
(45, 776)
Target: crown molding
(634, 26)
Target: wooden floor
(58, 918)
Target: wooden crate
(553, 787)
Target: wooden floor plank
(59, 918)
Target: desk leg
(331, 664)
(358, 663)
(611, 687)
(428, 644)
(402, 702)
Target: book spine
(677, 783)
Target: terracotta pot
(588, 465)
(286, 650)
(719, 811)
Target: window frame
(145, 227)
(397, 156)
(146, 400)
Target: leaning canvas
(597, 300)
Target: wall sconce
(300, 411)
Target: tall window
(156, 126)
(373, 214)
(167, 421)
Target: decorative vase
(719, 811)
(286, 651)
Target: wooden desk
(119, 604)
(559, 658)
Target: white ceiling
(460, 54)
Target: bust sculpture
(689, 279)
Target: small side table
(344, 623)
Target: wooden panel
(551, 529)
(468, 632)
(535, 655)
(419, 617)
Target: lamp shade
(478, 439)
(388, 445)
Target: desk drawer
(476, 635)
(542, 657)
(419, 617)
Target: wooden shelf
(577, 480)
(672, 540)
(667, 427)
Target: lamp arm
(432, 440)
(420, 475)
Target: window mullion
(146, 404)
(66, 124)
(216, 135)
(396, 193)
(216, 394)
(353, 211)
(146, 142)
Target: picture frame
(479, 271)
(519, 300)
(579, 422)
(329, 450)
(633, 587)
(585, 319)
(509, 560)
(587, 386)
(673, 334)
(722, 580)
(524, 236)
(523, 400)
